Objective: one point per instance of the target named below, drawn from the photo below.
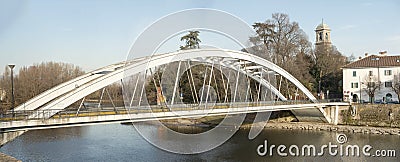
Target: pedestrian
(390, 114)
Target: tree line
(284, 43)
(30, 81)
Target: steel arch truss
(63, 95)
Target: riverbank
(366, 119)
(377, 115)
(329, 127)
(8, 158)
(312, 126)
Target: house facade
(370, 79)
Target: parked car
(393, 102)
(378, 102)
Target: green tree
(326, 69)
(265, 32)
(192, 40)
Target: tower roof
(322, 26)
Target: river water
(116, 142)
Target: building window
(388, 84)
(354, 73)
(370, 73)
(354, 85)
(388, 72)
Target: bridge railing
(58, 113)
(69, 113)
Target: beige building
(380, 70)
(323, 34)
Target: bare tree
(372, 84)
(284, 43)
(396, 86)
(282, 38)
(351, 58)
(33, 80)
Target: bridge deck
(135, 116)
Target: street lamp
(11, 66)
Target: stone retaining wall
(372, 115)
(330, 127)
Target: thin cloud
(66, 29)
(348, 27)
(394, 38)
(367, 4)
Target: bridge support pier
(9, 136)
(336, 118)
(333, 113)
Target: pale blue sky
(94, 33)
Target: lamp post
(11, 66)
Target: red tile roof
(375, 61)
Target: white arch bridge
(217, 81)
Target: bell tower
(323, 34)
